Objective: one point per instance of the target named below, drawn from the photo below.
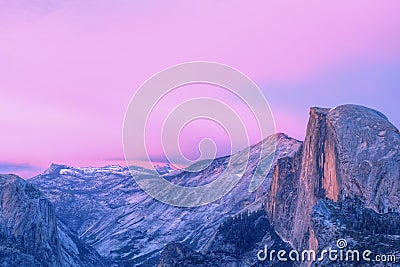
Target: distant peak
(279, 137)
(54, 167)
(282, 136)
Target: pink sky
(69, 68)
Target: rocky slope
(235, 243)
(361, 227)
(30, 234)
(111, 213)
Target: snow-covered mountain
(108, 211)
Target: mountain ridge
(123, 210)
(349, 158)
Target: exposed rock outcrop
(368, 156)
(349, 151)
(30, 234)
(282, 198)
(28, 224)
(315, 166)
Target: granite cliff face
(28, 225)
(282, 198)
(317, 166)
(30, 234)
(349, 151)
(368, 157)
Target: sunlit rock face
(282, 198)
(317, 169)
(349, 151)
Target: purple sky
(69, 68)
